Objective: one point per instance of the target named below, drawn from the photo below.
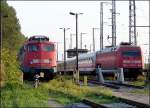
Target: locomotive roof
(38, 36)
(35, 42)
(110, 49)
(32, 39)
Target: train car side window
(32, 48)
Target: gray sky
(46, 17)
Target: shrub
(2, 75)
(11, 67)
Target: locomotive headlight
(34, 61)
(40, 61)
(137, 61)
(126, 61)
(131, 61)
(47, 61)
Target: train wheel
(48, 76)
(28, 76)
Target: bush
(2, 75)
(11, 67)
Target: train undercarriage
(45, 74)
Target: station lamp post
(81, 39)
(76, 16)
(57, 49)
(64, 29)
(71, 40)
(93, 29)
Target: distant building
(72, 52)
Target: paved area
(136, 97)
(119, 105)
(54, 104)
(78, 105)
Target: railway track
(126, 85)
(93, 104)
(124, 103)
(115, 85)
(134, 103)
(104, 84)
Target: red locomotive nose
(131, 59)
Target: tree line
(11, 41)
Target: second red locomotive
(124, 56)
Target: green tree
(12, 39)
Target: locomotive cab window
(131, 53)
(32, 48)
(48, 47)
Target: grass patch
(63, 98)
(23, 96)
(139, 82)
(100, 98)
(66, 92)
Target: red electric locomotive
(125, 56)
(38, 55)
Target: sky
(46, 17)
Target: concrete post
(100, 75)
(77, 76)
(121, 75)
(118, 74)
(85, 80)
(74, 76)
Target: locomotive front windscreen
(49, 47)
(44, 47)
(131, 53)
(32, 48)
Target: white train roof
(109, 49)
(71, 59)
(87, 55)
(83, 56)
